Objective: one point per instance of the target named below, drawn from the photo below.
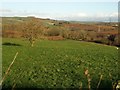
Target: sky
(74, 10)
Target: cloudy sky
(75, 10)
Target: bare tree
(31, 30)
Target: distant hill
(76, 30)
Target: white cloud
(90, 17)
(5, 10)
(80, 15)
(114, 14)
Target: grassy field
(59, 64)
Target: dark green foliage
(111, 38)
(54, 32)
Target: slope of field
(59, 64)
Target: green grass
(59, 64)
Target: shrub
(53, 32)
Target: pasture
(58, 64)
